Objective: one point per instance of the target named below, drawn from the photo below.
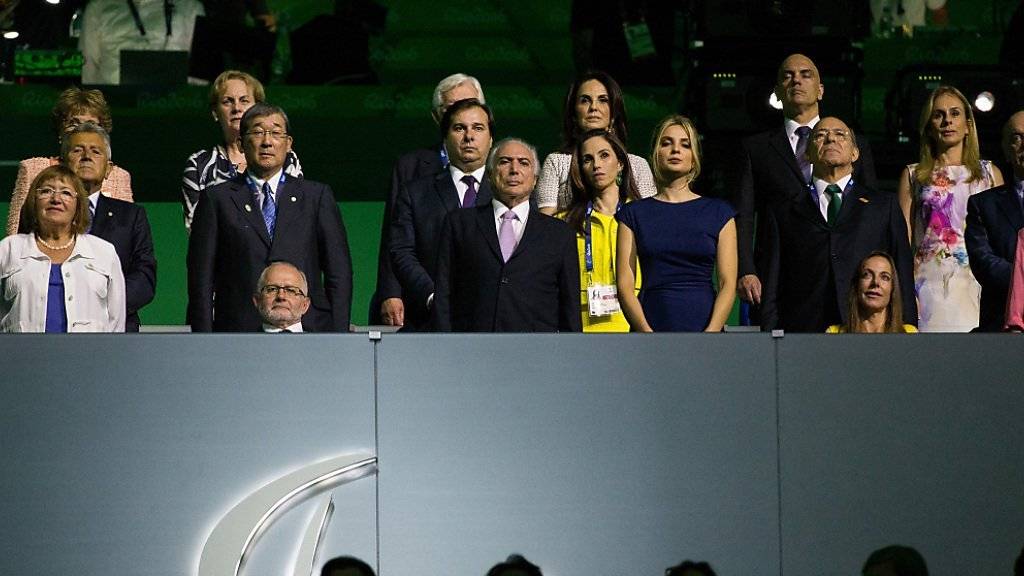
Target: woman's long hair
(971, 157)
(583, 190)
(571, 131)
(691, 131)
(893, 312)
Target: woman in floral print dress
(933, 195)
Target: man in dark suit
(505, 266)
(259, 217)
(814, 242)
(386, 305)
(86, 150)
(993, 219)
(422, 205)
(773, 166)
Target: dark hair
(515, 564)
(1018, 566)
(262, 110)
(893, 312)
(75, 100)
(459, 106)
(79, 223)
(903, 560)
(583, 191)
(346, 563)
(616, 109)
(690, 566)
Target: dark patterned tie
(803, 133)
(470, 198)
(269, 209)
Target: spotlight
(10, 34)
(774, 101)
(984, 102)
(54, 2)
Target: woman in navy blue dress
(680, 239)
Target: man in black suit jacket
(231, 241)
(506, 267)
(815, 241)
(423, 204)
(770, 168)
(86, 150)
(386, 305)
(993, 219)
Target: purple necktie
(507, 235)
(803, 132)
(470, 198)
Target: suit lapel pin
(294, 199)
(110, 214)
(863, 199)
(248, 208)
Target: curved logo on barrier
(233, 537)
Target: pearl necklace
(57, 248)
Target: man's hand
(392, 312)
(750, 289)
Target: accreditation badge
(603, 300)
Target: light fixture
(54, 2)
(985, 101)
(10, 34)
(774, 101)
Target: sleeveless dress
(677, 247)
(948, 296)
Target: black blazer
(229, 247)
(415, 235)
(126, 226)
(537, 290)
(993, 219)
(768, 173)
(409, 166)
(808, 265)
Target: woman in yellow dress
(601, 181)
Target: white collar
(297, 328)
(458, 174)
(792, 125)
(820, 184)
(522, 209)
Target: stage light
(774, 101)
(985, 101)
(54, 2)
(10, 34)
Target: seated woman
(55, 277)
(231, 94)
(594, 102)
(874, 305)
(74, 106)
(599, 164)
(680, 238)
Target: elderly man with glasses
(259, 217)
(280, 298)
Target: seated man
(505, 266)
(814, 242)
(281, 298)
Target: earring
(618, 178)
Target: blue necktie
(269, 209)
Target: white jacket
(94, 293)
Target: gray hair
(262, 110)
(263, 275)
(492, 158)
(450, 83)
(83, 128)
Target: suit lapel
(485, 222)
(852, 202)
(531, 234)
(484, 195)
(780, 142)
(1009, 205)
(446, 192)
(100, 219)
(245, 202)
(289, 204)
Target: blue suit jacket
(126, 226)
(993, 219)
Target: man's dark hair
(514, 565)
(690, 566)
(459, 106)
(1018, 566)
(903, 560)
(342, 563)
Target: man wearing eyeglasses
(263, 216)
(814, 241)
(994, 217)
(280, 298)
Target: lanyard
(588, 242)
(168, 14)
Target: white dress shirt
(274, 180)
(297, 327)
(522, 210)
(461, 186)
(792, 125)
(94, 293)
(823, 198)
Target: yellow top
(840, 329)
(603, 232)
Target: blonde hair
(691, 131)
(971, 157)
(220, 85)
(75, 100)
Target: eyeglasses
(49, 193)
(259, 134)
(273, 290)
(838, 134)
